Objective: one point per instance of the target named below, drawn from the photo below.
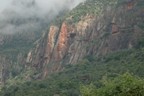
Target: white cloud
(17, 15)
(4, 4)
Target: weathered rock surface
(113, 30)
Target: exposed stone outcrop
(51, 43)
(29, 57)
(130, 4)
(111, 31)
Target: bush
(124, 85)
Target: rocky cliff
(117, 26)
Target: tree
(124, 85)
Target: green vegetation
(58, 20)
(92, 70)
(14, 50)
(123, 85)
(89, 7)
(108, 75)
(16, 44)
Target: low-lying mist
(30, 15)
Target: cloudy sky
(15, 14)
(42, 3)
(4, 4)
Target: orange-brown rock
(56, 47)
(130, 4)
(92, 35)
(62, 43)
(50, 42)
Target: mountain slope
(95, 39)
(87, 71)
(103, 30)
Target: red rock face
(130, 5)
(87, 37)
(62, 42)
(50, 43)
(56, 48)
(49, 47)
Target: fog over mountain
(29, 15)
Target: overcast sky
(4, 4)
(13, 12)
(42, 3)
